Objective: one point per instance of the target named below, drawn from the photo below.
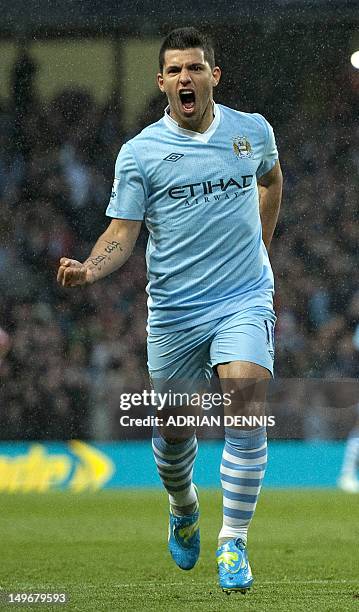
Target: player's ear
(216, 76)
(160, 81)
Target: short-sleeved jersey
(198, 196)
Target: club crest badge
(242, 147)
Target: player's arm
(110, 252)
(270, 196)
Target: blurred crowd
(74, 351)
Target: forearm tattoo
(100, 260)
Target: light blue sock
(175, 467)
(244, 461)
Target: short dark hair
(187, 38)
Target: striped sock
(243, 467)
(175, 467)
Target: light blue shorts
(192, 353)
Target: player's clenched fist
(72, 273)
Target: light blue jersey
(199, 198)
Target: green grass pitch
(108, 551)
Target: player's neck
(200, 125)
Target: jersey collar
(174, 127)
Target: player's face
(188, 82)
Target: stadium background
(73, 87)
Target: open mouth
(188, 99)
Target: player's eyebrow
(169, 68)
(196, 64)
(176, 67)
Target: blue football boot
(233, 567)
(184, 540)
